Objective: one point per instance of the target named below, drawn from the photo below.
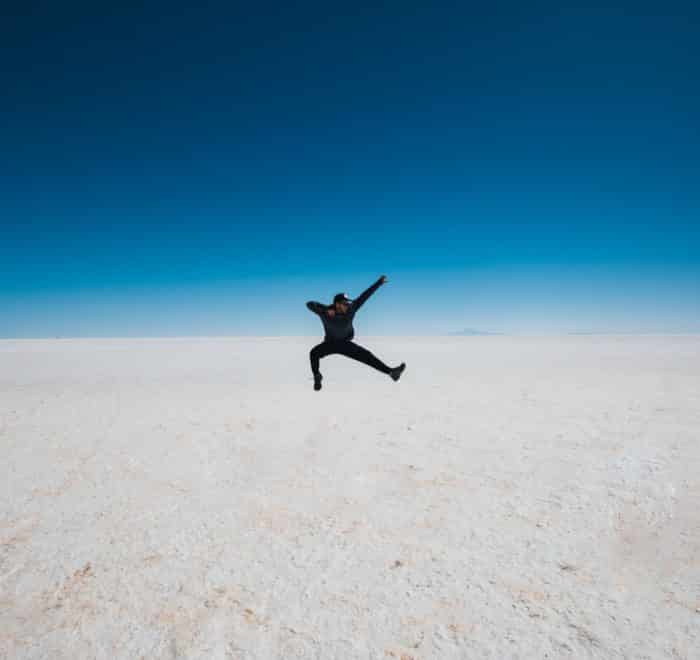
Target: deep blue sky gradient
(173, 170)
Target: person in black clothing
(337, 323)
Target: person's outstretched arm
(316, 307)
(362, 298)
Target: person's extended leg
(357, 352)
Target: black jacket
(339, 327)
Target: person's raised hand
(384, 279)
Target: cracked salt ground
(509, 498)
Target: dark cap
(341, 297)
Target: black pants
(348, 348)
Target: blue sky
(178, 170)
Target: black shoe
(396, 372)
(317, 381)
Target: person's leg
(317, 352)
(357, 352)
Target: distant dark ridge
(471, 332)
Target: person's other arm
(362, 298)
(316, 307)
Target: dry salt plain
(195, 498)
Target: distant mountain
(471, 332)
(590, 332)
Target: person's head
(341, 303)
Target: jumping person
(337, 323)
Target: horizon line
(451, 335)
